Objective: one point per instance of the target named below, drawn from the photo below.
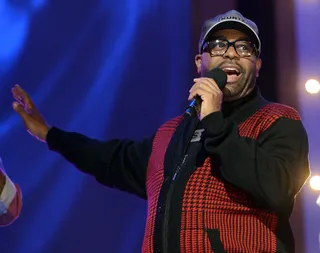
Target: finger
(209, 81)
(15, 92)
(21, 95)
(18, 98)
(20, 110)
(203, 91)
(202, 85)
(199, 92)
(20, 101)
(17, 95)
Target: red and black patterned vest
(211, 203)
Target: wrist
(202, 115)
(214, 124)
(44, 133)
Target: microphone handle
(191, 109)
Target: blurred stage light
(312, 86)
(315, 183)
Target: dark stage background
(106, 69)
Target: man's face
(242, 82)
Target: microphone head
(219, 76)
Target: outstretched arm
(115, 163)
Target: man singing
(10, 199)
(224, 181)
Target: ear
(258, 66)
(198, 62)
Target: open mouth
(233, 74)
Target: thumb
(20, 110)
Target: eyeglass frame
(229, 44)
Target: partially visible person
(10, 199)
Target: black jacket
(256, 153)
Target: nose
(231, 53)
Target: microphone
(220, 78)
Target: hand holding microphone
(207, 93)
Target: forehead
(230, 34)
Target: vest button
(159, 209)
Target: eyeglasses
(218, 47)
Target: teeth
(231, 71)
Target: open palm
(34, 123)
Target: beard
(241, 88)
(237, 86)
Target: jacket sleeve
(120, 164)
(272, 168)
(10, 200)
